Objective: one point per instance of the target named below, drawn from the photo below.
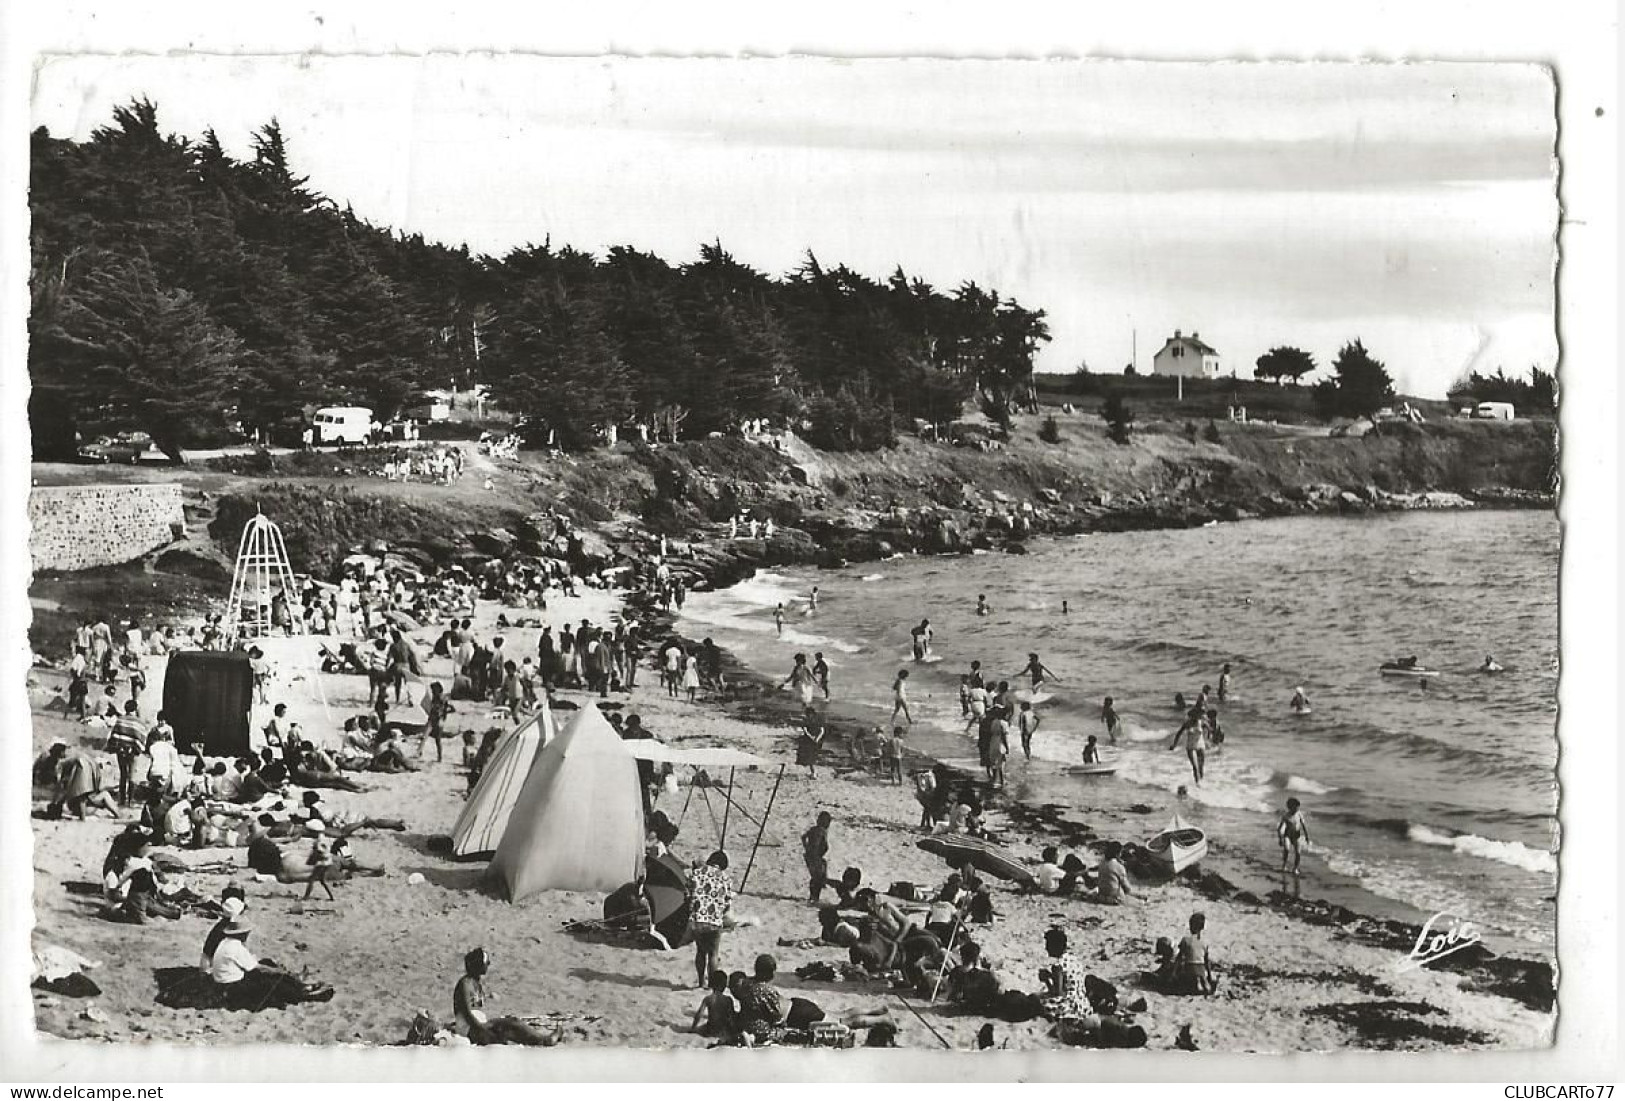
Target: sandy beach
(390, 947)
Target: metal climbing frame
(262, 569)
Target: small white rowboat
(1178, 845)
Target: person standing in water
(1224, 682)
(821, 672)
(922, 640)
(1091, 752)
(801, 680)
(1293, 833)
(1064, 608)
(899, 696)
(1194, 733)
(981, 605)
(812, 600)
(1027, 725)
(778, 619)
(1300, 702)
(1108, 718)
(1038, 671)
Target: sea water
(1435, 796)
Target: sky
(1410, 205)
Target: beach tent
(485, 816)
(577, 824)
(208, 695)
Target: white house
(1187, 356)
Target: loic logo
(1440, 935)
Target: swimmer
(1027, 723)
(976, 680)
(981, 605)
(1300, 702)
(1064, 608)
(1038, 671)
(1179, 702)
(1091, 752)
(1108, 717)
(1224, 682)
(1490, 665)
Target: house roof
(1201, 347)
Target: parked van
(342, 424)
(1493, 411)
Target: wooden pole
(943, 970)
(766, 814)
(722, 842)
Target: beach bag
(903, 889)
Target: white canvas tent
(485, 816)
(577, 824)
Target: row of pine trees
(182, 292)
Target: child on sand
(1193, 971)
(899, 696)
(894, 755)
(1108, 716)
(964, 695)
(320, 861)
(715, 1015)
(1292, 831)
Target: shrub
(1211, 433)
(1049, 431)
(1119, 419)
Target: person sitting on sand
(947, 911)
(1161, 976)
(468, 1000)
(48, 765)
(716, 1015)
(971, 982)
(231, 908)
(1076, 874)
(1193, 970)
(761, 1005)
(1065, 997)
(1112, 883)
(1047, 872)
(81, 786)
(242, 981)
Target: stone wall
(79, 527)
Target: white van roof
(334, 410)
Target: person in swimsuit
(801, 679)
(1224, 682)
(1300, 702)
(899, 696)
(1108, 716)
(468, 1004)
(1293, 833)
(1194, 734)
(1193, 971)
(1038, 671)
(778, 619)
(981, 605)
(922, 640)
(1091, 752)
(820, 671)
(1027, 724)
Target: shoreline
(1513, 972)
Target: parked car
(125, 447)
(1493, 411)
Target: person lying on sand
(468, 1000)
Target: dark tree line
(1535, 394)
(179, 291)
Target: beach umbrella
(959, 849)
(665, 884)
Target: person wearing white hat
(243, 981)
(231, 908)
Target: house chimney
(1196, 335)
(1178, 334)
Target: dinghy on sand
(1178, 845)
